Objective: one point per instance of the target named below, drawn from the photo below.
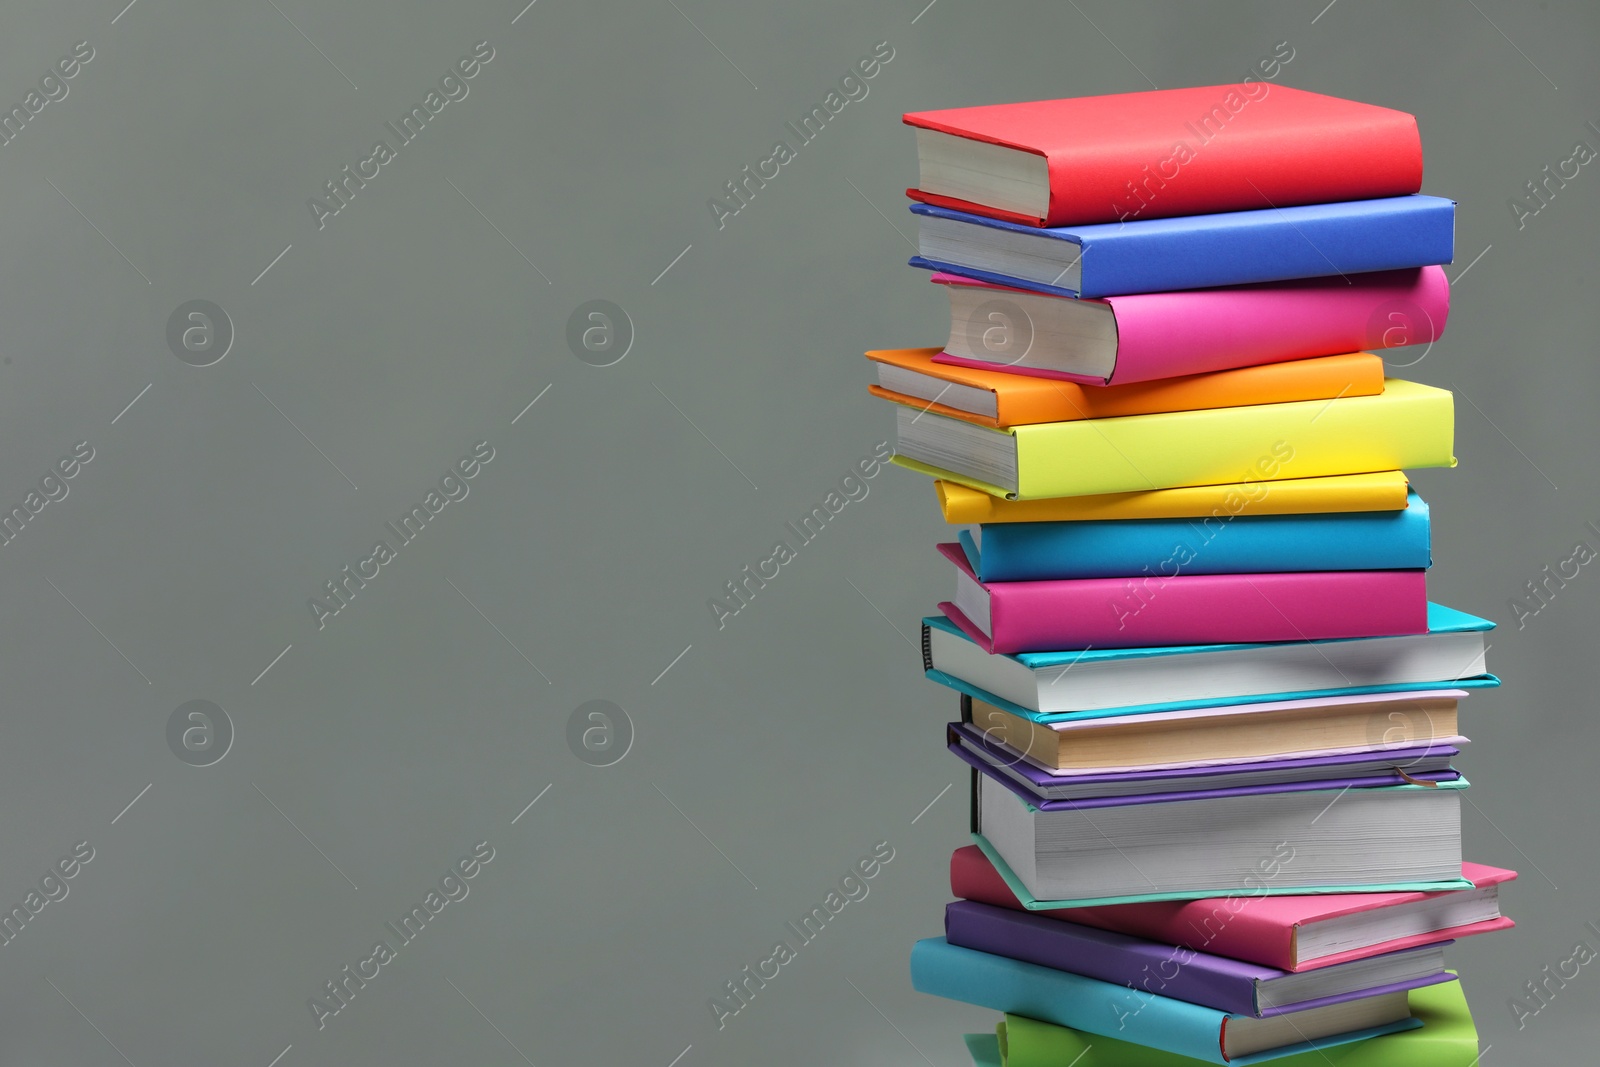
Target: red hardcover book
(1166, 153)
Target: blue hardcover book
(1244, 544)
(1097, 1007)
(1192, 252)
(1094, 683)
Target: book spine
(1269, 246)
(1001, 984)
(927, 648)
(1201, 609)
(1408, 425)
(1142, 968)
(1164, 334)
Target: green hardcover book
(1447, 1038)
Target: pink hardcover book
(1190, 609)
(1164, 335)
(1291, 932)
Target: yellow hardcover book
(1407, 425)
(1377, 491)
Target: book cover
(945, 970)
(1372, 491)
(1163, 335)
(1246, 544)
(1228, 248)
(1408, 425)
(1281, 146)
(1082, 613)
(1256, 928)
(1324, 770)
(1142, 967)
(1313, 668)
(1445, 1038)
(1022, 399)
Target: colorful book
(981, 748)
(1093, 683)
(945, 970)
(1299, 842)
(1163, 153)
(1240, 733)
(1446, 1038)
(1192, 252)
(996, 398)
(1373, 491)
(1292, 933)
(1083, 613)
(1247, 544)
(1409, 425)
(1146, 968)
(1117, 340)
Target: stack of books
(1208, 710)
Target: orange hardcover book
(998, 399)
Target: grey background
(776, 751)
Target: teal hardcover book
(1048, 995)
(1207, 676)
(1166, 548)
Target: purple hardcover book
(1423, 764)
(1151, 968)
